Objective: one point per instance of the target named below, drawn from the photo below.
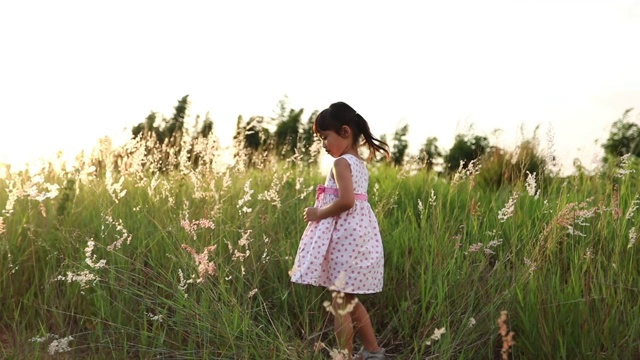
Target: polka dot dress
(344, 252)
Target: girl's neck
(351, 151)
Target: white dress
(343, 252)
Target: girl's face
(334, 144)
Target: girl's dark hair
(340, 114)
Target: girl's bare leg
(342, 322)
(364, 329)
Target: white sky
(74, 71)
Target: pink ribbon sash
(334, 191)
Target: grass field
(193, 264)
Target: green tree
(429, 153)
(382, 159)
(169, 132)
(251, 138)
(256, 135)
(465, 149)
(287, 133)
(148, 128)
(174, 126)
(207, 126)
(169, 128)
(400, 145)
(624, 138)
(307, 137)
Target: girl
(341, 248)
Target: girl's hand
(311, 214)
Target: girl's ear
(345, 131)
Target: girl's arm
(346, 197)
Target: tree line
(290, 134)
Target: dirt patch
(12, 348)
(6, 343)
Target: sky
(72, 72)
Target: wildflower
(315, 149)
(192, 226)
(473, 169)
(12, 268)
(226, 181)
(494, 243)
(472, 322)
(575, 213)
(488, 251)
(82, 278)
(437, 333)
(12, 195)
(154, 182)
(459, 175)
(572, 231)
(247, 196)
(306, 192)
(420, 207)
(244, 241)
(530, 264)
(90, 258)
(470, 171)
(531, 185)
(184, 283)
(38, 339)
(252, 292)
(340, 283)
(632, 237)
(157, 318)
(632, 208)
(124, 234)
(2, 227)
(349, 308)
(588, 253)
(507, 211)
(60, 345)
(52, 192)
(202, 260)
(475, 247)
(115, 188)
(264, 257)
(271, 195)
(432, 198)
(507, 336)
(338, 297)
(625, 162)
(336, 354)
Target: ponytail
(374, 144)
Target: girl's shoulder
(351, 157)
(356, 164)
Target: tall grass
(99, 263)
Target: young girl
(341, 248)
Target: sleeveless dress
(344, 252)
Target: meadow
(129, 262)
